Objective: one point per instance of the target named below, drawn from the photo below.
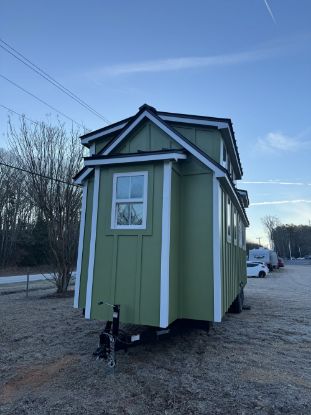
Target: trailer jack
(112, 338)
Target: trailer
(265, 255)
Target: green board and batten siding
(127, 267)
(233, 264)
(123, 257)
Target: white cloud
(276, 141)
(280, 202)
(182, 63)
(276, 182)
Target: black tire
(262, 274)
(237, 305)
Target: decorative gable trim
(207, 161)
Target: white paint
(171, 134)
(92, 137)
(143, 200)
(93, 149)
(217, 250)
(218, 124)
(83, 176)
(80, 248)
(135, 159)
(90, 273)
(165, 249)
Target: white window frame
(240, 234)
(142, 200)
(229, 215)
(235, 226)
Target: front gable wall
(146, 137)
(149, 137)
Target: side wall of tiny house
(191, 254)
(233, 264)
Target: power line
(40, 100)
(49, 78)
(37, 174)
(20, 115)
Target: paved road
(23, 278)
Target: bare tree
(51, 152)
(270, 223)
(15, 207)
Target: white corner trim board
(165, 248)
(90, 273)
(80, 248)
(217, 249)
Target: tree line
(288, 240)
(39, 205)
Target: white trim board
(170, 133)
(135, 159)
(165, 248)
(83, 176)
(217, 250)
(92, 137)
(218, 124)
(80, 248)
(90, 273)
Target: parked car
(281, 262)
(256, 269)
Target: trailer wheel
(262, 274)
(237, 305)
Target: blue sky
(225, 58)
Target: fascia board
(135, 159)
(209, 123)
(94, 136)
(83, 176)
(171, 134)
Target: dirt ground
(257, 362)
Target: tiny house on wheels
(163, 223)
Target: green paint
(127, 262)
(233, 261)
(196, 252)
(207, 139)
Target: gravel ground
(257, 362)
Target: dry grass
(256, 362)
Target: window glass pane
(123, 187)
(123, 213)
(136, 213)
(137, 186)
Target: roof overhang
(134, 158)
(143, 157)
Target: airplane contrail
(270, 11)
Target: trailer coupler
(112, 338)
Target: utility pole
(259, 238)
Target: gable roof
(124, 128)
(223, 124)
